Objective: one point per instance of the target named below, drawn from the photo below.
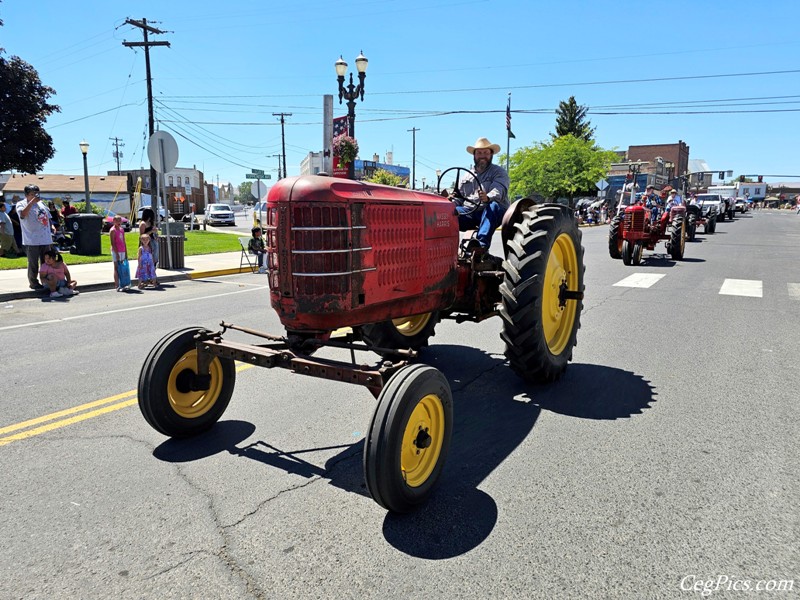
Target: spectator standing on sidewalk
(37, 232)
(8, 245)
(147, 226)
(146, 269)
(119, 251)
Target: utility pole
(413, 131)
(283, 139)
(117, 154)
(279, 163)
(150, 120)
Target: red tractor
(388, 263)
(632, 231)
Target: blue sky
(436, 65)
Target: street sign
(601, 185)
(257, 172)
(159, 140)
(257, 176)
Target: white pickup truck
(715, 201)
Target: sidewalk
(100, 276)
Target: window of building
(169, 180)
(186, 180)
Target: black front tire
(166, 399)
(408, 438)
(627, 253)
(405, 333)
(542, 293)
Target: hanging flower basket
(346, 148)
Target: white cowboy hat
(483, 143)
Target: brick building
(677, 154)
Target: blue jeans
(486, 220)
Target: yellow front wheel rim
(558, 317)
(185, 402)
(411, 326)
(422, 440)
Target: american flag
(340, 126)
(508, 119)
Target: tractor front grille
(633, 221)
(315, 252)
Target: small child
(256, 246)
(146, 269)
(55, 275)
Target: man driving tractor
(482, 206)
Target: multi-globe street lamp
(85, 150)
(350, 93)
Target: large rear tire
(614, 238)
(408, 438)
(542, 293)
(691, 227)
(677, 238)
(166, 398)
(405, 333)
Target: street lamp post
(85, 150)
(350, 93)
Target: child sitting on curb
(55, 275)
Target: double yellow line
(76, 414)
(121, 401)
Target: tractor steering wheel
(456, 193)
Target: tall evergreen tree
(571, 119)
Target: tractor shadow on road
(494, 412)
(666, 261)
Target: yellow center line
(64, 422)
(122, 400)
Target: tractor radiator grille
(634, 221)
(313, 254)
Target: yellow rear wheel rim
(558, 319)
(411, 326)
(422, 440)
(185, 402)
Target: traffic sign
(258, 189)
(162, 150)
(601, 185)
(257, 176)
(257, 172)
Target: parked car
(221, 214)
(162, 211)
(259, 213)
(742, 205)
(108, 221)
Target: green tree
(571, 119)
(386, 178)
(566, 166)
(24, 143)
(244, 192)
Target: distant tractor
(631, 232)
(389, 264)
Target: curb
(93, 287)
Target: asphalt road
(667, 455)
